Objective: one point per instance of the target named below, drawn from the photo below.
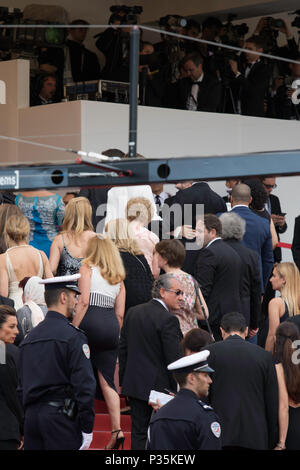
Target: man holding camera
(252, 81)
(57, 384)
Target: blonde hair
(78, 217)
(139, 208)
(103, 253)
(16, 229)
(290, 292)
(119, 231)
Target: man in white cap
(57, 383)
(185, 422)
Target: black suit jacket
(209, 94)
(244, 393)
(11, 413)
(84, 63)
(251, 90)
(192, 202)
(150, 340)
(276, 209)
(250, 282)
(219, 271)
(296, 242)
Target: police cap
(193, 363)
(62, 282)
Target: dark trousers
(140, 417)
(47, 428)
(9, 445)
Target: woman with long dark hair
(288, 374)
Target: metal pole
(133, 87)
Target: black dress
(11, 414)
(68, 265)
(138, 281)
(102, 329)
(293, 436)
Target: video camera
(172, 23)
(231, 34)
(126, 15)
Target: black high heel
(119, 441)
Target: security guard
(185, 422)
(57, 383)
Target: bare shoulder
(277, 302)
(85, 270)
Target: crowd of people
(179, 72)
(194, 310)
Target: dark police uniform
(54, 366)
(184, 423)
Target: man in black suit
(233, 229)
(150, 340)
(192, 200)
(274, 209)
(244, 392)
(199, 91)
(250, 84)
(218, 271)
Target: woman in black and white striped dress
(99, 313)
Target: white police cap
(62, 282)
(193, 363)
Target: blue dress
(45, 214)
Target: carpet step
(100, 405)
(102, 422)
(101, 439)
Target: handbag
(196, 286)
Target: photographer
(268, 28)
(171, 50)
(250, 83)
(152, 85)
(114, 43)
(283, 104)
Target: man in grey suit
(150, 340)
(258, 234)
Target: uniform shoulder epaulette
(205, 406)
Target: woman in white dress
(20, 260)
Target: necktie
(157, 200)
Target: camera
(172, 23)
(126, 15)
(231, 34)
(274, 23)
(296, 22)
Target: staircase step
(102, 422)
(100, 405)
(101, 438)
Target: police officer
(57, 383)
(185, 422)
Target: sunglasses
(270, 186)
(177, 292)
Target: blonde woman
(20, 259)
(69, 247)
(139, 279)
(99, 313)
(286, 280)
(139, 212)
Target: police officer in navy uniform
(57, 383)
(185, 422)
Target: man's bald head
(241, 194)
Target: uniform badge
(216, 429)
(86, 350)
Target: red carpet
(102, 431)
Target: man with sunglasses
(150, 339)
